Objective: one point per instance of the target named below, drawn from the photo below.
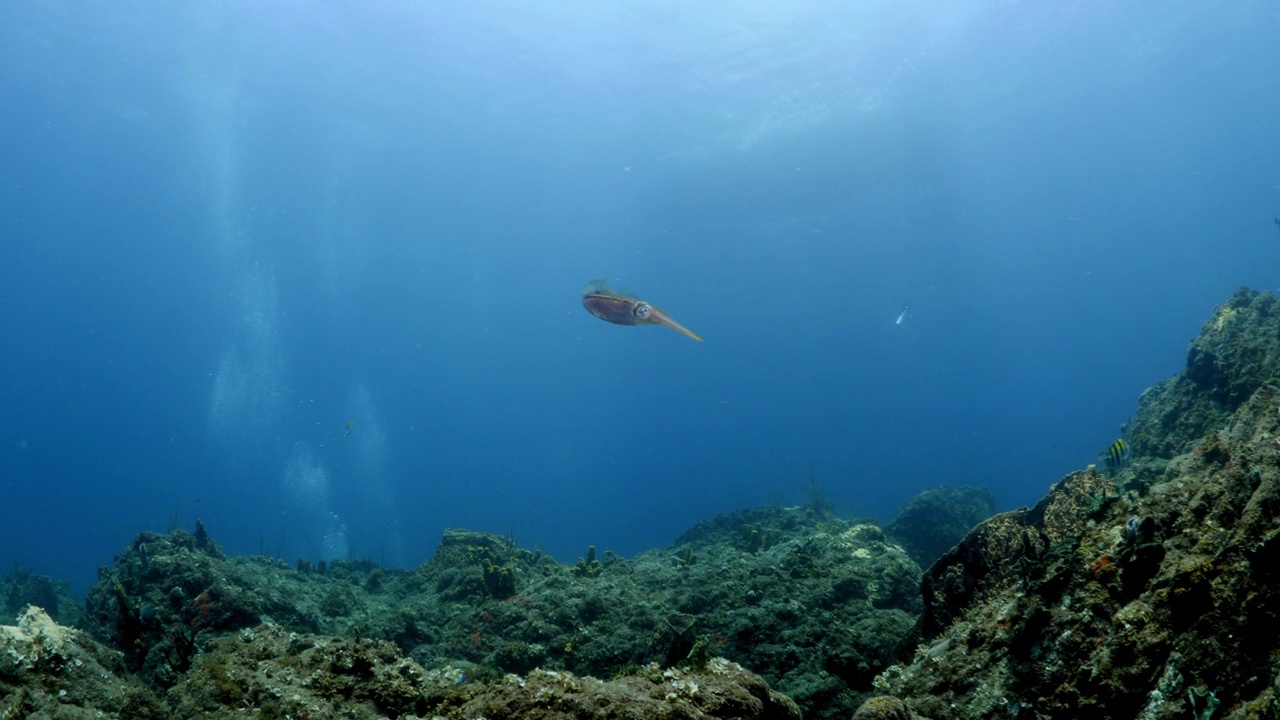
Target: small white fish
(902, 315)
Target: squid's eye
(643, 311)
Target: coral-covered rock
(49, 670)
(284, 674)
(1236, 352)
(885, 707)
(996, 554)
(814, 604)
(1154, 603)
(723, 690)
(932, 522)
(164, 591)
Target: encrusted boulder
(49, 670)
(1000, 551)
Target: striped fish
(1115, 455)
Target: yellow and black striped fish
(1115, 455)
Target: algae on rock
(1150, 603)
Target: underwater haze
(313, 272)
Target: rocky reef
(754, 614)
(268, 672)
(1151, 593)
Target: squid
(624, 308)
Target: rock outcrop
(1152, 594)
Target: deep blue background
(229, 229)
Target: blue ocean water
(312, 272)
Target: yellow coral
(1224, 315)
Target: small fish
(1115, 455)
(902, 315)
(624, 308)
(351, 425)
